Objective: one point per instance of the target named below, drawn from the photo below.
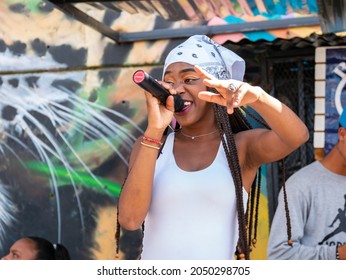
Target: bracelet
(150, 146)
(152, 140)
(337, 253)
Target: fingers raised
(212, 97)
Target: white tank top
(192, 215)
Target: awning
(232, 19)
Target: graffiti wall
(335, 94)
(69, 116)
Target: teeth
(187, 103)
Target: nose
(4, 257)
(180, 89)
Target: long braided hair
(228, 126)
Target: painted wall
(69, 116)
(330, 90)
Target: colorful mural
(335, 94)
(69, 116)
(67, 126)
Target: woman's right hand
(160, 116)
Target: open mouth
(187, 105)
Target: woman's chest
(195, 156)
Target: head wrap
(217, 60)
(342, 119)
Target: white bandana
(218, 61)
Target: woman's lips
(187, 107)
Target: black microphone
(145, 81)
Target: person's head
(179, 72)
(36, 248)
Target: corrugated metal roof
(312, 41)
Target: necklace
(197, 136)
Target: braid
(288, 219)
(254, 118)
(259, 177)
(140, 253)
(117, 236)
(228, 142)
(238, 121)
(247, 220)
(118, 228)
(252, 210)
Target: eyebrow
(182, 71)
